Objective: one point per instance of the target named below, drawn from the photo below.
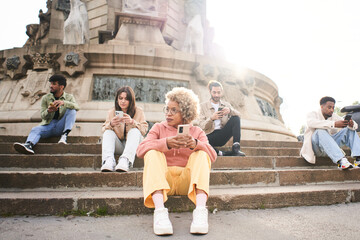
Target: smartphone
(119, 113)
(220, 108)
(183, 129)
(347, 117)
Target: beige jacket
(207, 110)
(315, 120)
(139, 123)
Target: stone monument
(149, 45)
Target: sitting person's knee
(135, 131)
(235, 119)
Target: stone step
(131, 201)
(97, 139)
(47, 148)
(96, 179)
(71, 139)
(81, 162)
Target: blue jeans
(326, 145)
(55, 128)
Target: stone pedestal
(139, 30)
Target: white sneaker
(63, 139)
(344, 164)
(200, 224)
(162, 224)
(123, 165)
(108, 165)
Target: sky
(309, 48)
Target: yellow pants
(175, 180)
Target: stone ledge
(131, 201)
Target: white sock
(158, 199)
(201, 199)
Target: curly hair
(188, 102)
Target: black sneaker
(25, 148)
(236, 150)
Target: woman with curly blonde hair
(177, 164)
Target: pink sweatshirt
(156, 140)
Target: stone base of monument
(95, 71)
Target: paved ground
(317, 222)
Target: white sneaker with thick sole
(344, 164)
(162, 224)
(200, 224)
(108, 165)
(123, 165)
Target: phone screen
(347, 117)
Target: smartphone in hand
(347, 117)
(183, 129)
(119, 113)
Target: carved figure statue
(76, 26)
(144, 7)
(44, 23)
(37, 32)
(194, 39)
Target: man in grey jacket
(326, 132)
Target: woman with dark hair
(123, 131)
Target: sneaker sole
(163, 232)
(199, 230)
(348, 168)
(21, 149)
(107, 170)
(121, 170)
(62, 143)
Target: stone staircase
(62, 178)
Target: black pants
(220, 137)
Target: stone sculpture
(76, 26)
(194, 32)
(143, 7)
(38, 32)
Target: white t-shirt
(218, 121)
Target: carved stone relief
(266, 108)
(14, 67)
(13, 63)
(142, 7)
(64, 6)
(205, 72)
(36, 85)
(232, 88)
(41, 61)
(146, 89)
(72, 63)
(2, 70)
